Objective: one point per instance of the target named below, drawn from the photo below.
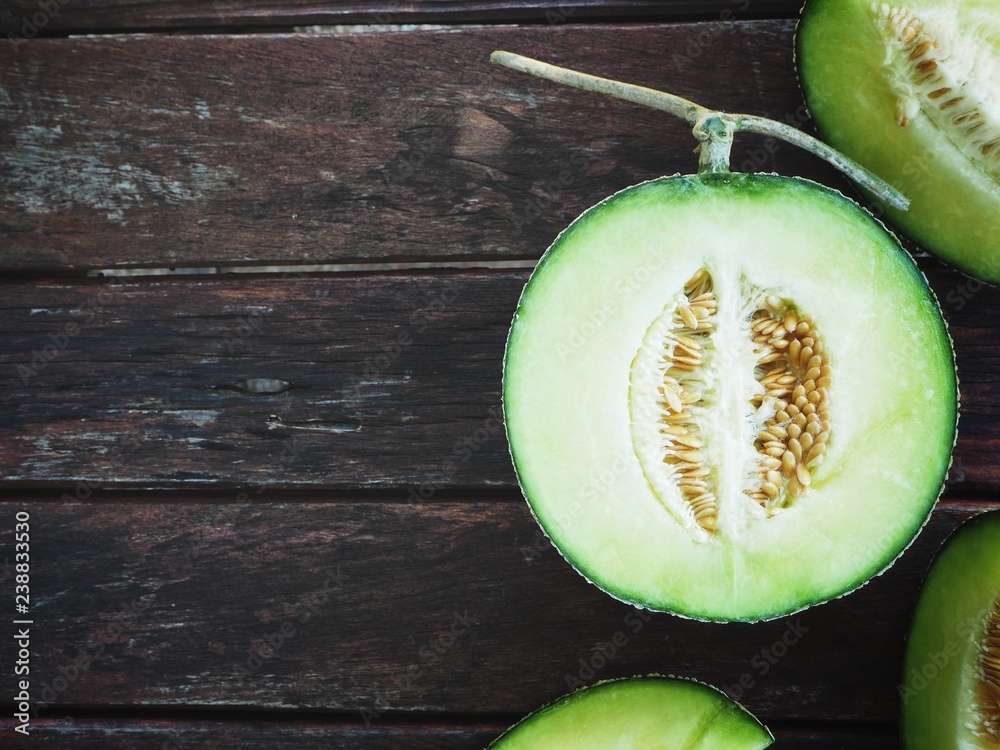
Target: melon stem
(712, 128)
(716, 136)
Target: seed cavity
(679, 419)
(795, 378)
(946, 73)
(987, 695)
(682, 389)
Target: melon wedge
(911, 90)
(652, 713)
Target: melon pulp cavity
(652, 713)
(911, 90)
(729, 396)
(951, 686)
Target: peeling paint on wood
(43, 174)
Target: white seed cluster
(694, 322)
(954, 87)
(795, 374)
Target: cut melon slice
(951, 687)
(652, 713)
(729, 396)
(911, 90)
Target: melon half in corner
(729, 396)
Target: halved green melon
(911, 90)
(951, 684)
(729, 396)
(652, 713)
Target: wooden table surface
(259, 261)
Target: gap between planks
(326, 268)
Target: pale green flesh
(578, 327)
(954, 203)
(651, 713)
(942, 652)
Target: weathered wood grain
(161, 14)
(373, 608)
(343, 381)
(314, 735)
(382, 381)
(216, 150)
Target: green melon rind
(726, 726)
(679, 608)
(972, 211)
(963, 581)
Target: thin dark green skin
(880, 566)
(527, 720)
(955, 537)
(925, 246)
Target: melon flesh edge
(578, 328)
(640, 714)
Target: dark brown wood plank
(386, 381)
(133, 15)
(215, 150)
(261, 735)
(369, 609)
(368, 382)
